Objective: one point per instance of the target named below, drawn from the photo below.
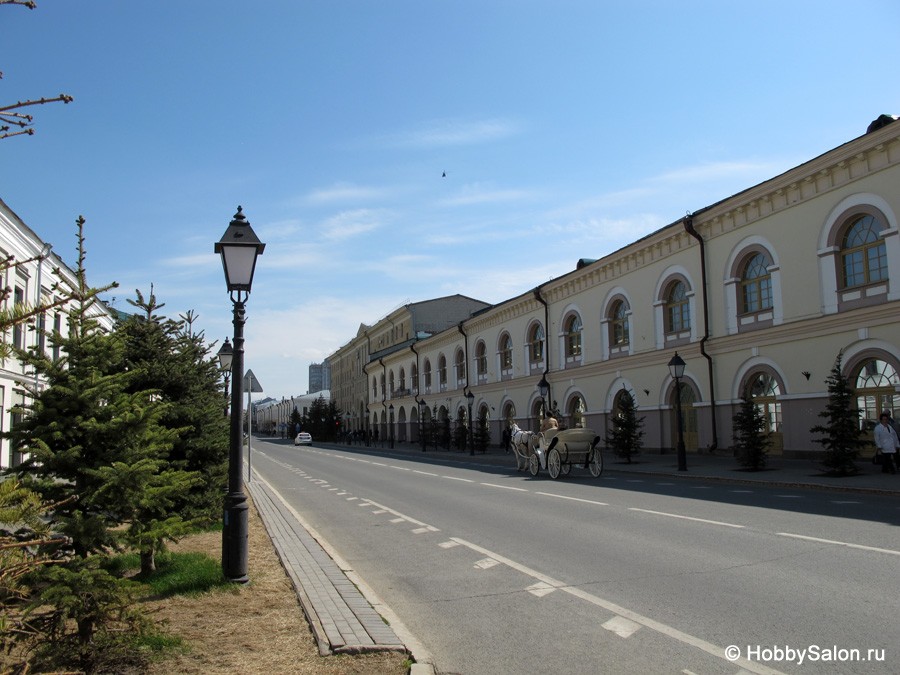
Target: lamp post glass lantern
(239, 248)
(544, 388)
(676, 370)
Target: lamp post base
(235, 537)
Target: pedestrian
(886, 442)
(507, 436)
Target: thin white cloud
(344, 192)
(716, 171)
(478, 194)
(449, 133)
(351, 223)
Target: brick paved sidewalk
(341, 618)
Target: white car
(303, 438)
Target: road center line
(699, 520)
(664, 629)
(505, 487)
(464, 480)
(424, 473)
(574, 499)
(838, 543)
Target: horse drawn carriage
(557, 451)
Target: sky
(566, 129)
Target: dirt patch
(256, 629)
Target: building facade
(400, 330)
(319, 377)
(759, 294)
(31, 275)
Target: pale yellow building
(758, 293)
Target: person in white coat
(887, 442)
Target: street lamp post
(226, 354)
(391, 410)
(544, 388)
(239, 248)
(470, 397)
(422, 408)
(676, 370)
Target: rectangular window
(57, 328)
(19, 298)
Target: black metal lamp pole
(422, 408)
(676, 369)
(470, 397)
(226, 354)
(239, 248)
(544, 388)
(391, 409)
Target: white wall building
(29, 282)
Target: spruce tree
(482, 433)
(83, 434)
(750, 440)
(168, 358)
(626, 436)
(842, 436)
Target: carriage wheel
(566, 468)
(596, 463)
(534, 465)
(554, 464)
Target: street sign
(251, 384)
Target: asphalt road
(498, 572)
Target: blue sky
(567, 129)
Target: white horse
(523, 443)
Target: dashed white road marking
(540, 589)
(664, 629)
(572, 499)
(462, 480)
(506, 487)
(424, 473)
(838, 543)
(621, 626)
(486, 563)
(844, 501)
(449, 544)
(698, 520)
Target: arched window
(442, 372)
(374, 387)
(481, 360)
(573, 336)
(536, 343)
(576, 412)
(506, 353)
(678, 316)
(402, 379)
(756, 285)
(427, 373)
(382, 384)
(460, 365)
(763, 388)
(391, 380)
(619, 334)
(863, 253)
(876, 391)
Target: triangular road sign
(251, 384)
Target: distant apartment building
(319, 377)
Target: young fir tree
(750, 440)
(626, 436)
(482, 433)
(86, 437)
(164, 506)
(842, 437)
